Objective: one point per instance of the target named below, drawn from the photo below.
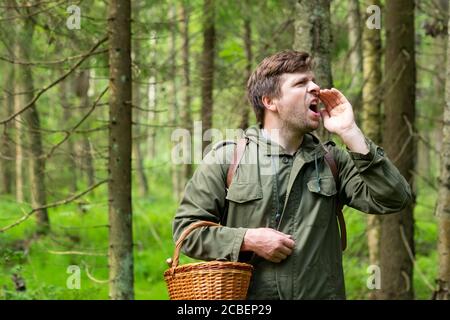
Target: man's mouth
(314, 106)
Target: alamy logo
(74, 20)
(374, 20)
(374, 280)
(74, 280)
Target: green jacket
(305, 195)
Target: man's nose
(313, 88)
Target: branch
(19, 16)
(413, 134)
(148, 110)
(429, 182)
(413, 261)
(103, 127)
(54, 61)
(134, 123)
(92, 277)
(36, 97)
(69, 132)
(52, 205)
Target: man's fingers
(277, 257)
(288, 243)
(324, 96)
(276, 260)
(326, 99)
(334, 97)
(286, 240)
(280, 255)
(339, 96)
(286, 251)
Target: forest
(101, 99)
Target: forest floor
(39, 263)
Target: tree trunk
(443, 201)
(355, 58)
(423, 166)
(207, 77)
(313, 35)
(438, 85)
(245, 108)
(371, 117)
(31, 118)
(87, 160)
(7, 147)
(19, 172)
(152, 116)
(397, 231)
(354, 40)
(152, 100)
(140, 171)
(177, 186)
(138, 157)
(186, 117)
(70, 148)
(19, 103)
(119, 186)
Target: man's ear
(269, 103)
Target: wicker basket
(214, 280)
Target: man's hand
(338, 118)
(268, 243)
(338, 113)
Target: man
(281, 203)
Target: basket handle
(186, 232)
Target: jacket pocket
(244, 192)
(322, 201)
(327, 186)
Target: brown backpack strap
(334, 170)
(237, 156)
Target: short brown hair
(265, 80)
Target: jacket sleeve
(204, 199)
(371, 183)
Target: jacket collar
(309, 148)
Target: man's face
(298, 103)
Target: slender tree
(244, 108)
(36, 161)
(354, 37)
(120, 142)
(207, 71)
(152, 91)
(443, 201)
(19, 102)
(82, 88)
(70, 148)
(313, 34)
(397, 230)
(176, 170)
(355, 58)
(371, 116)
(137, 114)
(185, 112)
(6, 162)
